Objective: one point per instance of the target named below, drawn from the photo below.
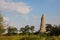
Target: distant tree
(2, 29)
(14, 30)
(32, 29)
(55, 30)
(8, 30)
(22, 30)
(49, 27)
(27, 28)
(11, 30)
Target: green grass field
(30, 37)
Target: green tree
(49, 27)
(11, 30)
(2, 30)
(55, 30)
(27, 28)
(32, 29)
(22, 30)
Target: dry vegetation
(30, 37)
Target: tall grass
(29, 37)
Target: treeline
(53, 30)
(27, 30)
(23, 30)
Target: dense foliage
(2, 30)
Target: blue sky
(28, 12)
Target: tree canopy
(2, 29)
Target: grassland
(30, 37)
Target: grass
(30, 37)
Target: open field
(31, 37)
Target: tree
(22, 30)
(27, 28)
(11, 30)
(32, 29)
(48, 27)
(55, 30)
(2, 30)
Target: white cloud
(5, 18)
(20, 7)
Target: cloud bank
(20, 7)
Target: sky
(20, 13)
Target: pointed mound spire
(42, 26)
